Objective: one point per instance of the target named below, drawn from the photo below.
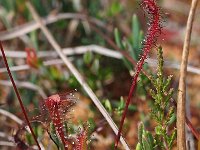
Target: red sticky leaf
(58, 106)
(31, 58)
(81, 140)
(154, 30)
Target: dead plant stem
(181, 110)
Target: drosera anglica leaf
(57, 106)
(153, 32)
(81, 140)
(54, 110)
(31, 58)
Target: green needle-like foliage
(161, 112)
(145, 138)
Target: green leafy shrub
(161, 112)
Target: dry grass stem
(27, 85)
(31, 26)
(181, 111)
(6, 143)
(83, 49)
(11, 116)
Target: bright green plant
(161, 112)
(116, 107)
(145, 138)
(132, 44)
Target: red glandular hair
(31, 58)
(81, 140)
(154, 30)
(57, 106)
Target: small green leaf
(95, 66)
(55, 73)
(146, 145)
(92, 124)
(54, 134)
(153, 94)
(87, 57)
(167, 82)
(139, 147)
(135, 33)
(140, 132)
(158, 130)
(172, 119)
(141, 37)
(150, 139)
(29, 138)
(127, 64)
(117, 38)
(172, 138)
(132, 52)
(116, 7)
(108, 105)
(122, 104)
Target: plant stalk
(18, 95)
(181, 110)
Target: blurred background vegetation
(123, 22)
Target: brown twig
(31, 26)
(25, 84)
(18, 95)
(181, 141)
(11, 116)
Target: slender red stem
(193, 130)
(153, 32)
(81, 140)
(18, 95)
(53, 108)
(189, 124)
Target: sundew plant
(98, 51)
(154, 30)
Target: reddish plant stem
(193, 130)
(81, 140)
(189, 124)
(113, 45)
(58, 124)
(153, 32)
(18, 95)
